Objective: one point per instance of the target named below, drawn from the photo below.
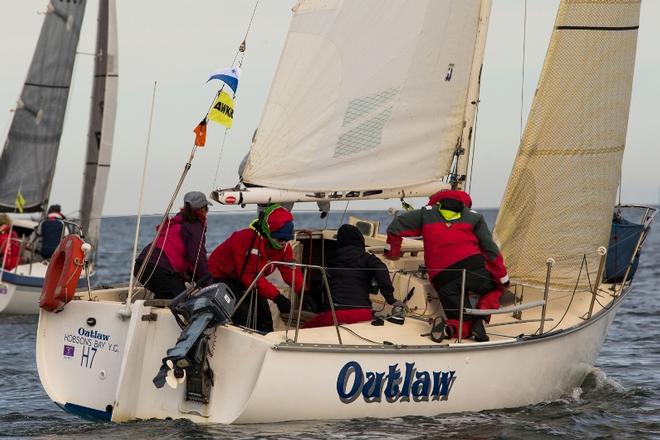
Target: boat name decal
(93, 334)
(393, 384)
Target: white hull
(23, 289)
(105, 371)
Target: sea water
(619, 399)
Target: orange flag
(200, 134)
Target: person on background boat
(351, 271)
(455, 238)
(238, 260)
(49, 232)
(10, 247)
(179, 253)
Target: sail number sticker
(90, 342)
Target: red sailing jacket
(13, 251)
(184, 245)
(229, 259)
(447, 242)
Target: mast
(101, 123)
(27, 163)
(461, 177)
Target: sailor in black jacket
(350, 272)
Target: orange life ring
(63, 273)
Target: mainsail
(102, 122)
(28, 159)
(560, 196)
(370, 95)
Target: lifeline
(422, 386)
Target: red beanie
(278, 218)
(461, 196)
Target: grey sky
(179, 46)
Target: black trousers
(164, 284)
(477, 281)
(244, 313)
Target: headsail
(369, 95)
(562, 189)
(102, 122)
(28, 158)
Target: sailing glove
(283, 304)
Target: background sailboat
(27, 164)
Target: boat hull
(262, 379)
(21, 289)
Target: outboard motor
(208, 308)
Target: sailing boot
(440, 330)
(479, 331)
(398, 315)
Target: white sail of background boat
(373, 99)
(27, 164)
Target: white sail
(369, 95)
(562, 189)
(101, 123)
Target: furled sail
(369, 95)
(102, 122)
(30, 151)
(560, 196)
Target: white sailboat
(376, 99)
(27, 164)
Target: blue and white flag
(227, 76)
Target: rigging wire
(241, 48)
(522, 70)
(344, 214)
(473, 153)
(575, 289)
(141, 198)
(186, 168)
(217, 167)
(240, 51)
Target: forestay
(28, 159)
(102, 122)
(562, 189)
(369, 95)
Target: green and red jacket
(244, 254)
(447, 240)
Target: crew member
(351, 271)
(455, 238)
(10, 247)
(179, 254)
(50, 231)
(241, 258)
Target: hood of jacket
(349, 235)
(458, 195)
(278, 218)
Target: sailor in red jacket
(455, 238)
(9, 247)
(239, 259)
(179, 253)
